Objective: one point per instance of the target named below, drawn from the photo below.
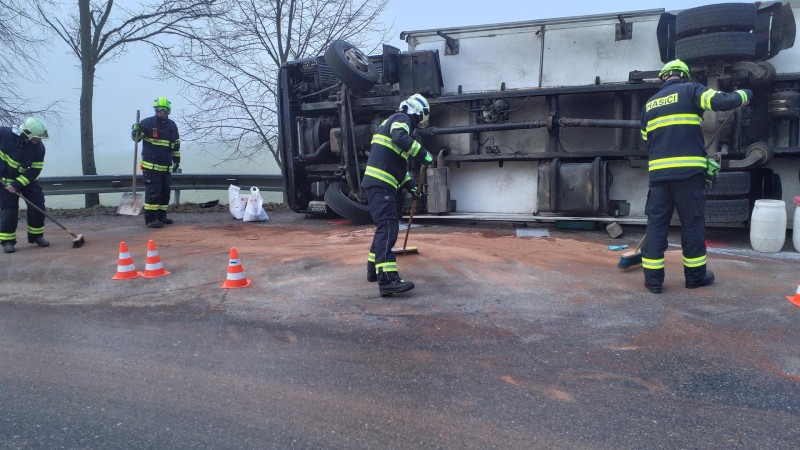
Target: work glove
(415, 192)
(136, 133)
(428, 158)
(175, 167)
(712, 171)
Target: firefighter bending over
(678, 166)
(161, 155)
(387, 171)
(21, 162)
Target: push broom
(76, 243)
(633, 257)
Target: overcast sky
(125, 85)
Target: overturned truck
(539, 120)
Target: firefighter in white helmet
(387, 171)
(21, 162)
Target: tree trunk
(87, 93)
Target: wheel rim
(357, 59)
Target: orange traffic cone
(153, 267)
(126, 270)
(235, 278)
(795, 299)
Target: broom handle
(639, 245)
(414, 204)
(410, 217)
(41, 211)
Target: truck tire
(351, 66)
(337, 199)
(733, 45)
(731, 184)
(726, 211)
(716, 18)
(784, 104)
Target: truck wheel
(766, 76)
(726, 211)
(731, 184)
(784, 104)
(337, 198)
(351, 66)
(715, 18)
(736, 45)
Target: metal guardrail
(100, 184)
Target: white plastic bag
(236, 202)
(254, 211)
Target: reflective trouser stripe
(653, 264)
(35, 230)
(389, 266)
(694, 262)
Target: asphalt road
(505, 343)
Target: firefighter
(387, 171)
(21, 162)
(678, 167)
(161, 156)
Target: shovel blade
(131, 204)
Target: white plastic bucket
(796, 224)
(768, 226)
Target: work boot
(391, 283)
(155, 224)
(165, 221)
(655, 289)
(371, 275)
(39, 240)
(8, 247)
(705, 281)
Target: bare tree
(232, 69)
(100, 31)
(19, 60)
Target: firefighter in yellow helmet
(21, 162)
(678, 166)
(161, 156)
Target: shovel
(131, 202)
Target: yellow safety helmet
(162, 102)
(675, 66)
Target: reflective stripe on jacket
(671, 125)
(392, 146)
(21, 161)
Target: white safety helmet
(33, 128)
(418, 105)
